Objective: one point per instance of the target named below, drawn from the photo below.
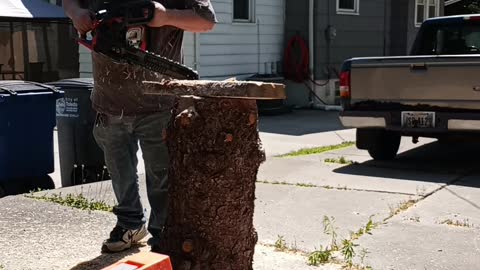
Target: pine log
(216, 89)
(215, 153)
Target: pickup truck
(434, 92)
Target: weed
(317, 150)
(365, 230)
(401, 207)
(457, 223)
(348, 251)
(320, 256)
(329, 229)
(340, 160)
(74, 201)
(280, 244)
(2, 267)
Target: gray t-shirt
(118, 86)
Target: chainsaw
(119, 32)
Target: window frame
(344, 11)
(426, 10)
(251, 13)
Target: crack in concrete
(426, 196)
(308, 185)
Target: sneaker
(122, 239)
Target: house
(341, 29)
(247, 40)
(34, 42)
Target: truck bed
(439, 81)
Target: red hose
(296, 70)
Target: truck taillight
(345, 84)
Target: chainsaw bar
(159, 64)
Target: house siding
(412, 29)
(231, 49)
(365, 34)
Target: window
(243, 10)
(425, 9)
(455, 38)
(348, 7)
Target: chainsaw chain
(160, 64)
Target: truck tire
(385, 145)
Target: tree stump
(215, 153)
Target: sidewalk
(425, 205)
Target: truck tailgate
(445, 81)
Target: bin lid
(14, 87)
(77, 83)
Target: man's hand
(160, 17)
(82, 20)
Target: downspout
(311, 45)
(196, 51)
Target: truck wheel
(385, 145)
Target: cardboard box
(142, 261)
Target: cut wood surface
(218, 89)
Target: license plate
(418, 119)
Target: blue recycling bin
(27, 120)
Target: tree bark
(215, 153)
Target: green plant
(280, 244)
(348, 251)
(74, 201)
(341, 160)
(317, 150)
(365, 230)
(320, 256)
(329, 229)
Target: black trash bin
(81, 160)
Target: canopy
(30, 10)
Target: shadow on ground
(105, 259)
(459, 158)
(301, 122)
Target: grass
(321, 256)
(317, 150)
(75, 201)
(341, 160)
(457, 223)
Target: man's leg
(115, 138)
(150, 130)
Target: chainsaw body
(120, 33)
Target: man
(126, 117)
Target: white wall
(231, 49)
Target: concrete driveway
(425, 205)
